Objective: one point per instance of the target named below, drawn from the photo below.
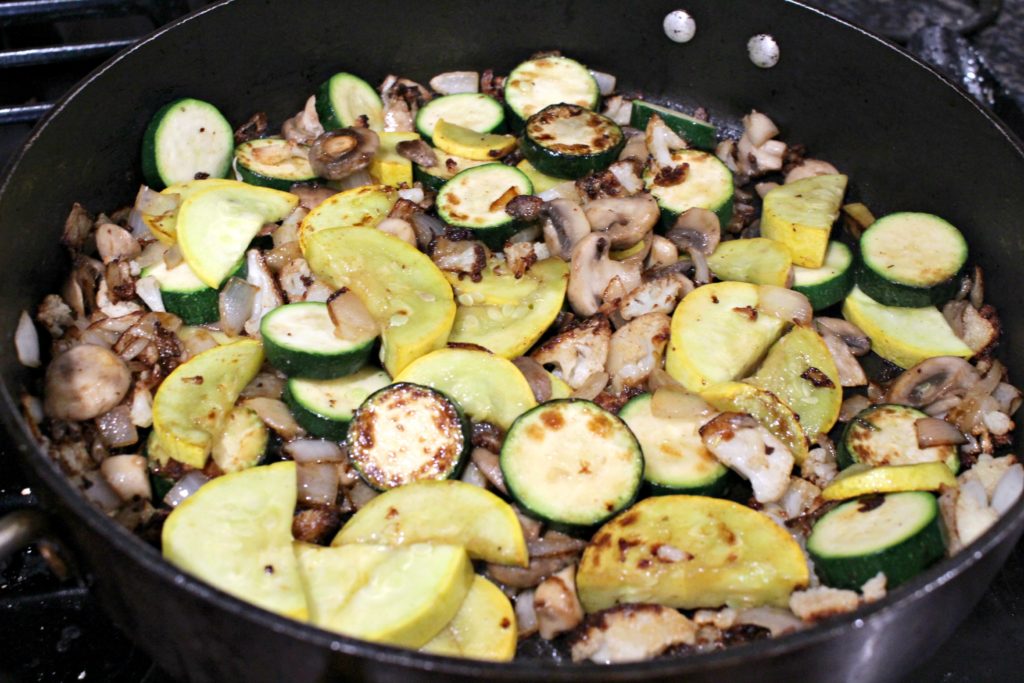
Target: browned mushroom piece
(625, 220)
(417, 152)
(84, 382)
(565, 225)
(931, 380)
(525, 207)
(337, 154)
(594, 272)
(852, 336)
(696, 229)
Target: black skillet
(908, 140)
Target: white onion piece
(99, 492)
(566, 190)
(151, 255)
(173, 257)
(235, 303)
(670, 403)
(153, 203)
(526, 614)
(116, 427)
(660, 378)
(128, 476)
(472, 475)
(141, 409)
(357, 179)
(778, 621)
(275, 414)
(149, 291)
(266, 384)
(931, 431)
(764, 188)
(785, 304)
(554, 543)
(360, 494)
(26, 341)
(307, 451)
(412, 194)
(605, 82)
(455, 82)
(758, 128)
(1009, 488)
(852, 406)
(625, 173)
(592, 386)
(489, 466)
(318, 483)
(975, 490)
(185, 487)
(352, 321)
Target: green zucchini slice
(885, 435)
(829, 284)
(186, 138)
(273, 162)
(324, 407)
(699, 134)
(475, 111)
(568, 141)
(299, 341)
(536, 83)
(343, 98)
(476, 199)
(706, 183)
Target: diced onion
(185, 487)
(275, 414)
(412, 194)
(116, 427)
(354, 180)
(314, 451)
(173, 257)
(670, 403)
(852, 406)
(235, 304)
(26, 342)
(128, 476)
(605, 82)
(454, 82)
(592, 386)
(352, 321)
(785, 304)
(360, 494)
(1009, 488)
(566, 190)
(99, 492)
(318, 483)
(931, 431)
(148, 290)
(526, 614)
(472, 475)
(758, 128)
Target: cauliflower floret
(578, 352)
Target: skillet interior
(907, 139)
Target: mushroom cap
(696, 229)
(337, 154)
(85, 382)
(626, 220)
(593, 270)
(932, 379)
(565, 225)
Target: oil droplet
(679, 26)
(763, 50)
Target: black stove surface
(52, 629)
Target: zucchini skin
(150, 163)
(847, 455)
(565, 163)
(302, 363)
(900, 562)
(700, 134)
(503, 227)
(314, 423)
(830, 292)
(890, 293)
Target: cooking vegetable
(568, 141)
(324, 408)
(193, 403)
(400, 596)
(403, 290)
(242, 443)
(718, 335)
(273, 162)
(184, 138)
(343, 98)
(764, 406)
(362, 207)
(537, 83)
(476, 111)
(406, 432)
(800, 215)
(468, 143)
(675, 459)
(898, 534)
(497, 285)
(759, 260)
(700, 134)
(185, 295)
(911, 259)
(388, 166)
(447, 511)
(162, 215)
(861, 479)
(483, 628)
(830, 283)
(885, 435)
(448, 165)
(571, 463)
(690, 552)
(541, 182)
(799, 370)
(235, 533)
(215, 225)
(300, 341)
(488, 388)
(509, 330)
(476, 199)
(699, 180)
(905, 336)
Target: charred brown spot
(552, 419)
(197, 380)
(629, 519)
(671, 175)
(643, 564)
(749, 311)
(714, 299)
(535, 432)
(501, 202)
(624, 545)
(392, 513)
(817, 378)
(601, 425)
(869, 503)
(602, 540)
(505, 623)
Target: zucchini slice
(185, 138)
(476, 111)
(800, 214)
(184, 294)
(536, 83)
(904, 336)
(572, 463)
(699, 134)
(273, 162)
(405, 433)
(569, 141)
(706, 184)
(243, 442)
(829, 284)
(911, 260)
(541, 182)
(885, 435)
(898, 534)
(861, 480)
(299, 341)
(476, 199)
(448, 166)
(343, 98)
(325, 407)
(675, 459)
(758, 260)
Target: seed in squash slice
(690, 552)
(447, 511)
(400, 596)
(235, 533)
(483, 628)
(763, 406)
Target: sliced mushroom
(636, 349)
(851, 374)
(851, 335)
(625, 220)
(527, 577)
(931, 380)
(84, 382)
(417, 152)
(663, 253)
(558, 609)
(577, 352)
(631, 633)
(741, 443)
(337, 154)
(696, 229)
(594, 273)
(565, 225)
(636, 146)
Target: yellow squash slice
(235, 533)
(765, 407)
(163, 226)
(360, 207)
(800, 216)
(388, 166)
(759, 260)
(483, 628)
(860, 480)
(466, 142)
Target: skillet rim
(149, 559)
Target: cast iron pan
(908, 140)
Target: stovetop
(52, 630)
